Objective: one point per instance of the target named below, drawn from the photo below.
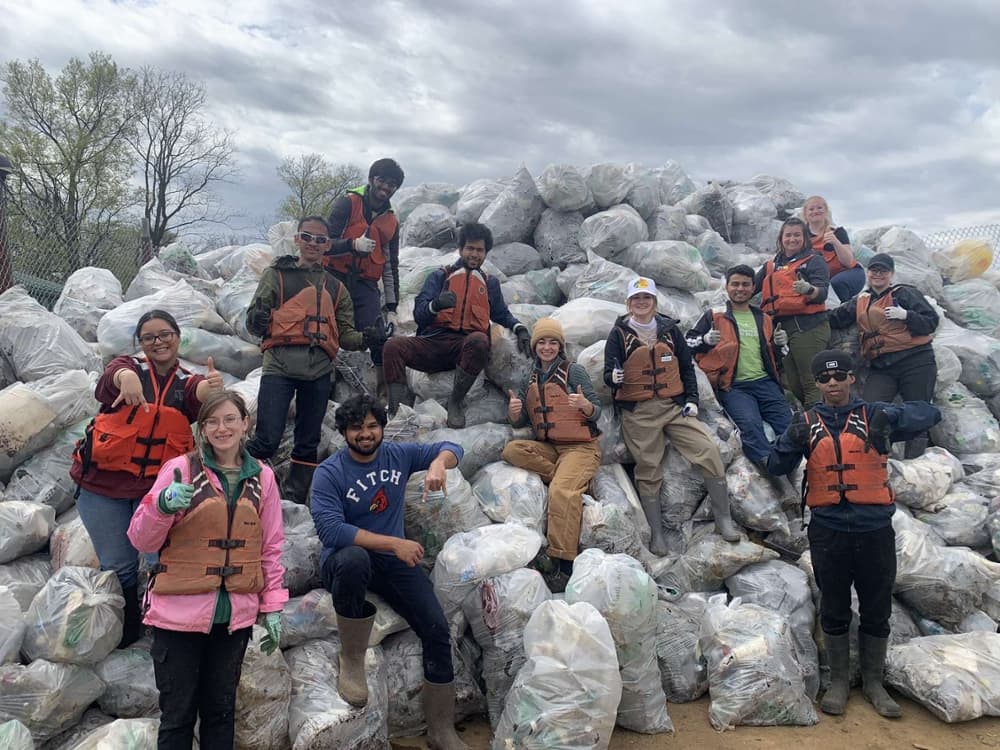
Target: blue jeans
(106, 520)
(751, 403)
(349, 572)
(848, 283)
(273, 400)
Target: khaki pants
(643, 429)
(567, 470)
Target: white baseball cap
(641, 285)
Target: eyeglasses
(230, 420)
(839, 375)
(316, 239)
(391, 184)
(879, 271)
(151, 338)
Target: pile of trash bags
(633, 632)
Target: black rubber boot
(398, 394)
(300, 474)
(872, 651)
(456, 407)
(132, 627)
(838, 656)
(915, 448)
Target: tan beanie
(547, 328)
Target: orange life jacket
(552, 418)
(777, 296)
(382, 229)
(833, 263)
(847, 466)
(472, 311)
(213, 543)
(879, 335)
(134, 440)
(650, 371)
(719, 363)
(306, 316)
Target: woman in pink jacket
(214, 516)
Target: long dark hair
(155, 315)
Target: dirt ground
(859, 729)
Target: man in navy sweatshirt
(357, 507)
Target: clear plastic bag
(131, 691)
(483, 443)
(86, 296)
(979, 355)
(667, 223)
(507, 493)
(610, 528)
(962, 519)
(609, 183)
(47, 697)
(923, 482)
(25, 527)
(515, 259)
(12, 626)
(76, 617)
(755, 502)
(754, 677)
(914, 264)
(150, 279)
(123, 734)
(966, 425)
(428, 225)
(675, 185)
(968, 259)
(585, 320)
(234, 299)
(670, 263)
(566, 695)
(15, 736)
(625, 595)
(557, 238)
(262, 698)
(433, 520)
(955, 677)
(682, 490)
(682, 669)
(70, 738)
(70, 544)
(712, 202)
(973, 304)
(25, 576)
(514, 213)
(308, 616)
(564, 188)
(44, 478)
(476, 196)
(497, 610)
(230, 354)
(709, 560)
(644, 194)
(610, 232)
(301, 552)
(407, 199)
(977, 621)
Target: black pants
(913, 378)
(197, 675)
(866, 559)
(351, 571)
(273, 399)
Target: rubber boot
(915, 448)
(354, 633)
(398, 393)
(780, 484)
(132, 627)
(718, 496)
(300, 474)
(872, 654)
(654, 517)
(439, 711)
(380, 388)
(456, 409)
(838, 656)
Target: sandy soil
(859, 729)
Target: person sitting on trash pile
(304, 316)
(793, 288)
(739, 348)
(847, 277)
(365, 249)
(453, 313)
(559, 402)
(896, 325)
(845, 442)
(648, 366)
(214, 516)
(357, 507)
(147, 407)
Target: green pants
(802, 347)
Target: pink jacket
(150, 528)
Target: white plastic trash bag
(306, 617)
(507, 493)
(47, 697)
(432, 520)
(483, 443)
(302, 549)
(557, 238)
(669, 263)
(70, 543)
(85, 298)
(973, 304)
(12, 626)
(229, 353)
(963, 519)
(755, 502)
(513, 215)
(682, 670)
(123, 734)
(15, 736)
(709, 560)
(609, 183)
(476, 196)
(25, 527)
(921, 483)
(428, 225)
(262, 698)
(25, 576)
(44, 478)
(609, 232)
(132, 691)
(966, 425)
(564, 188)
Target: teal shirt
(749, 365)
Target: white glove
(391, 318)
(801, 286)
(713, 337)
(780, 337)
(364, 245)
(896, 313)
(618, 376)
(690, 410)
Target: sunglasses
(839, 375)
(317, 239)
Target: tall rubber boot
(654, 517)
(354, 633)
(838, 656)
(300, 474)
(456, 409)
(915, 448)
(872, 654)
(439, 711)
(398, 394)
(132, 627)
(718, 496)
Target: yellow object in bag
(967, 259)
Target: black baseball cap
(884, 260)
(832, 359)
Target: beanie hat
(641, 285)
(832, 359)
(547, 328)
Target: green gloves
(176, 495)
(272, 624)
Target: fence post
(6, 275)
(145, 243)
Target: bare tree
(315, 184)
(182, 155)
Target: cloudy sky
(894, 116)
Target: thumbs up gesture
(515, 407)
(713, 337)
(578, 401)
(177, 495)
(780, 336)
(213, 377)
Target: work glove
(780, 337)
(523, 340)
(690, 410)
(801, 286)
(445, 301)
(617, 375)
(373, 336)
(176, 495)
(364, 245)
(272, 624)
(713, 337)
(798, 432)
(896, 313)
(391, 318)
(880, 431)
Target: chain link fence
(948, 237)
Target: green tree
(66, 137)
(182, 155)
(314, 184)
